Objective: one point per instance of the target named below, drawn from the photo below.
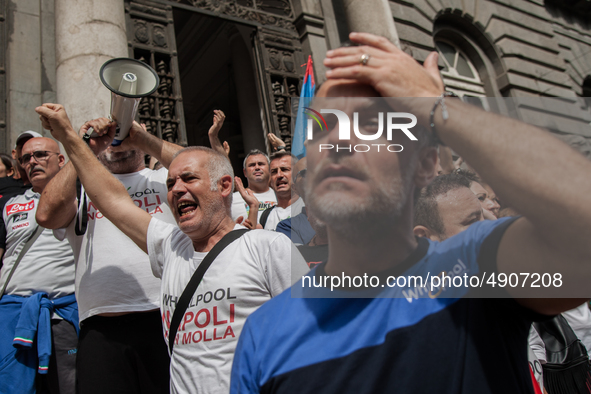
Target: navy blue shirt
(405, 340)
(297, 228)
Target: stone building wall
(530, 49)
(523, 49)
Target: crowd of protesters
(126, 278)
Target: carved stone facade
(151, 39)
(278, 56)
(278, 13)
(521, 49)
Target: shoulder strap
(265, 215)
(189, 291)
(24, 250)
(81, 222)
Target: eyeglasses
(39, 155)
(301, 173)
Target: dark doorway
(217, 71)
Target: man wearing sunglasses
(43, 280)
(18, 182)
(17, 152)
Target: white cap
(26, 135)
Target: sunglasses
(39, 155)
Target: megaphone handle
(91, 134)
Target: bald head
(41, 160)
(44, 142)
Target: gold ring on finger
(364, 59)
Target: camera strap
(185, 298)
(81, 222)
(265, 215)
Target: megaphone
(128, 80)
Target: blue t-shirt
(297, 228)
(411, 343)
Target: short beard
(352, 219)
(122, 162)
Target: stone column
(371, 16)
(88, 33)
(248, 105)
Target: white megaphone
(128, 80)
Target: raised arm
(57, 205)
(253, 205)
(276, 143)
(543, 178)
(213, 133)
(105, 191)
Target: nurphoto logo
(344, 128)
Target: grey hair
(255, 152)
(217, 167)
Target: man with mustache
(10, 186)
(352, 325)
(289, 203)
(39, 312)
(21, 139)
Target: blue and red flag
(299, 134)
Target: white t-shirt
(48, 266)
(240, 208)
(278, 214)
(247, 273)
(112, 273)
